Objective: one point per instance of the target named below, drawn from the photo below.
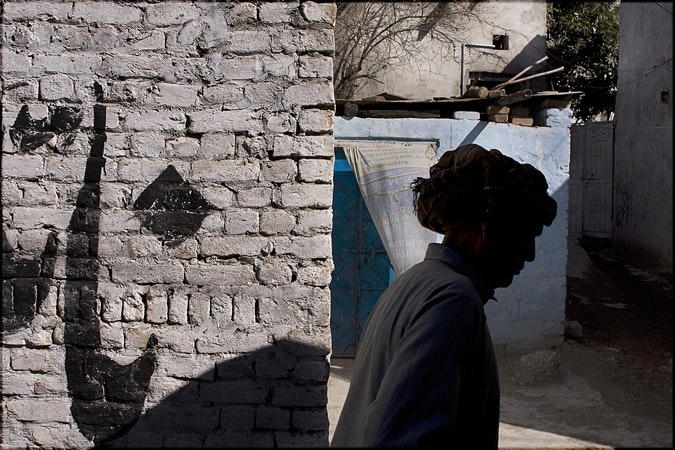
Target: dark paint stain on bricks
(29, 134)
(107, 397)
(171, 208)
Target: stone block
(271, 417)
(313, 92)
(241, 221)
(538, 367)
(466, 115)
(303, 146)
(314, 275)
(31, 10)
(237, 417)
(95, 12)
(315, 170)
(57, 87)
(280, 65)
(312, 396)
(316, 120)
(574, 330)
(498, 118)
(194, 367)
(275, 273)
(312, 371)
(279, 171)
(522, 121)
(220, 274)
(182, 148)
(236, 68)
(276, 221)
(254, 197)
(146, 271)
(178, 307)
(232, 392)
(277, 12)
(68, 64)
(310, 247)
(293, 439)
(149, 120)
(280, 122)
(306, 195)
(230, 246)
(157, 306)
(29, 167)
(242, 13)
(246, 42)
(322, 12)
(315, 66)
(229, 170)
(310, 419)
(244, 310)
(216, 145)
(165, 14)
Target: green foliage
(584, 38)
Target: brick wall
(166, 209)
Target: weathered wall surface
(529, 313)
(437, 70)
(643, 144)
(166, 195)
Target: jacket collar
(462, 266)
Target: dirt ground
(616, 387)
(626, 308)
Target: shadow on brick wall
(274, 396)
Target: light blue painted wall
(530, 313)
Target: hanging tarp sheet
(384, 172)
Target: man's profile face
(506, 248)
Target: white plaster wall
(529, 313)
(433, 75)
(643, 145)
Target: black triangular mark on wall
(171, 208)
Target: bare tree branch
(373, 37)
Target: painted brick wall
(166, 209)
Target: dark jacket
(425, 372)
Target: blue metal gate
(362, 268)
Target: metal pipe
(461, 75)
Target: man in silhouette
(425, 373)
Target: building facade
(494, 40)
(642, 222)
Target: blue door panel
(362, 267)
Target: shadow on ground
(616, 379)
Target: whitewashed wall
(434, 75)
(643, 143)
(529, 313)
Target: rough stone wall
(166, 209)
